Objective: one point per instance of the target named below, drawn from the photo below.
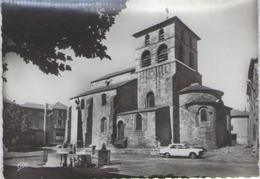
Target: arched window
(150, 99)
(162, 53)
(138, 122)
(103, 127)
(254, 132)
(147, 40)
(181, 53)
(104, 99)
(82, 104)
(161, 34)
(190, 42)
(182, 35)
(146, 59)
(203, 115)
(121, 132)
(191, 60)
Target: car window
(173, 147)
(187, 146)
(180, 146)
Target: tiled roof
(141, 110)
(106, 88)
(237, 113)
(32, 105)
(59, 105)
(132, 69)
(200, 88)
(200, 100)
(7, 101)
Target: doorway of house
(121, 130)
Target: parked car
(182, 150)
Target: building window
(59, 136)
(147, 40)
(150, 100)
(254, 132)
(104, 99)
(191, 60)
(60, 113)
(162, 53)
(182, 35)
(181, 53)
(103, 127)
(231, 128)
(138, 122)
(146, 59)
(190, 42)
(161, 35)
(82, 104)
(233, 136)
(203, 115)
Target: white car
(182, 150)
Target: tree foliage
(37, 33)
(15, 122)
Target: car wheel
(193, 155)
(167, 155)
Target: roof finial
(167, 11)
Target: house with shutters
(54, 131)
(161, 100)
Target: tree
(15, 122)
(38, 32)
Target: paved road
(213, 165)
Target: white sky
(228, 32)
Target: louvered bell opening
(161, 37)
(146, 62)
(163, 57)
(147, 42)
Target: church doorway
(121, 127)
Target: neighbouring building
(55, 127)
(252, 92)
(7, 102)
(159, 101)
(239, 127)
(55, 116)
(35, 134)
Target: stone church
(159, 101)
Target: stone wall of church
(192, 129)
(157, 80)
(197, 132)
(144, 138)
(154, 37)
(188, 42)
(154, 46)
(99, 111)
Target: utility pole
(44, 124)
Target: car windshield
(186, 146)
